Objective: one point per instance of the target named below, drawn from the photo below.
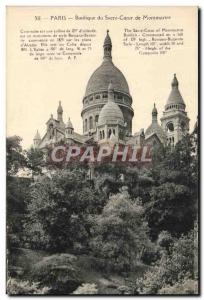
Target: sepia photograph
(102, 150)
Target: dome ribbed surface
(69, 124)
(110, 114)
(106, 73)
(175, 97)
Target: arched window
(103, 134)
(91, 122)
(96, 119)
(51, 130)
(109, 132)
(182, 126)
(121, 135)
(100, 135)
(170, 127)
(85, 125)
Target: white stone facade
(107, 113)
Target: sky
(35, 88)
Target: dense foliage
(58, 272)
(126, 219)
(174, 268)
(59, 209)
(119, 233)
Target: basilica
(107, 113)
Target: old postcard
(102, 151)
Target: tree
(17, 190)
(139, 182)
(17, 195)
(179, 165)
(58, 210)
(119, 233)
(15, 157)
(170, 209)
(35, 161)
(175, 268)
(173, 201)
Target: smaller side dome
(175, 95)
(110, 113)
(69, 124)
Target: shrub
(171, 209)
(119, 234)
(151, 253)
(187, 287)
(124, 290)
(19, 287)
(179, 265)
(165, 240)
(58, 211)
(59, 272)
(86, 289)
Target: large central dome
(96, 94)
(105, 74)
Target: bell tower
(175, 121)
